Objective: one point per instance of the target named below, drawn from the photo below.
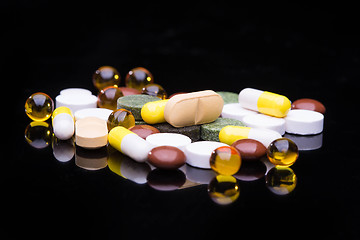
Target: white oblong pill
(304, 122)
(169, 139)
(248, 98)
(236, 111)
(265, 121)
(198, 153)
(135, 147)
(102, 113)
(76, 102)
(75, 91)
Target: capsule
(153, 112)
(265, 102)
(129, 143)
(63, 123)
(230, 134)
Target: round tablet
(76, 101)
(304, 122)
(102, 113)
(198, 153)
(265, 121)
(75, 91)
(169, 139)
(235, 111)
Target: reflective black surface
(298, 53)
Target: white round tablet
(102, 113)
(304, 122)
(236, 111)
(75, 91)
(76, 102)
(265, 121)
(198, 153)
(169, 139)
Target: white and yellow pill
(63, 123)
(230, 134)
(153, 112)
(129, 143)
(265, 102)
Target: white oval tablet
(76, 102)
(75, 91)
(265, 121)
(102, 113)
(304, 122)
(198, 153)
(169, 139)
(236, 111)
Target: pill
(309, 104)
(265, 121)
(198, 153)
(76, 101)
(129, 143)
(75, 91)
(193, 108)
(166, 157)
(91, 132)
(153, 112)
(304, 122)
(249, 149)
(168, 139)
(230, 134)
(101, 113)
(129, 91)
(63, 123)
(134, 103)
(210, 131)
(144, 130)
(236, 111)
(265, 102)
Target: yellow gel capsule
(230, 134)
(153, 112)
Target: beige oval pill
(91, 132)
(193, 108)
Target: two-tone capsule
(63, 123)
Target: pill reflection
(38, 134)
(308, 142)
(251, 171)
(224, 190)
(91, 159)
(166, 180)
(281, 180)
(63, 150)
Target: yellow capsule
(153, 112)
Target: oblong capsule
(63, 123)
(265, 102)
(129, 143)
(230, 134)
(153, 112)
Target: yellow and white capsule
(230, 134)
(153, 112)
(129, 143)
(265, 102)
(63, 123)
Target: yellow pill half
(153, 112)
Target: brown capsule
(144, 130)
(166, 157)
(308, 104)
(249, 149)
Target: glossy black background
(298, 52)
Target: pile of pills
(207, 130)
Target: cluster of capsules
(142, 123)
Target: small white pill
(304, 122)
(198, 153)
(265, 121)
(102, 113)
(236, 111)
(63, 123)
(169, 139)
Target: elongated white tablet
(76, 101)
(169, 139)
(304, 122)
(198, 153)
(63, 123)
(265, 121)
(75, 91)
(102, 113)
(236, 111)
